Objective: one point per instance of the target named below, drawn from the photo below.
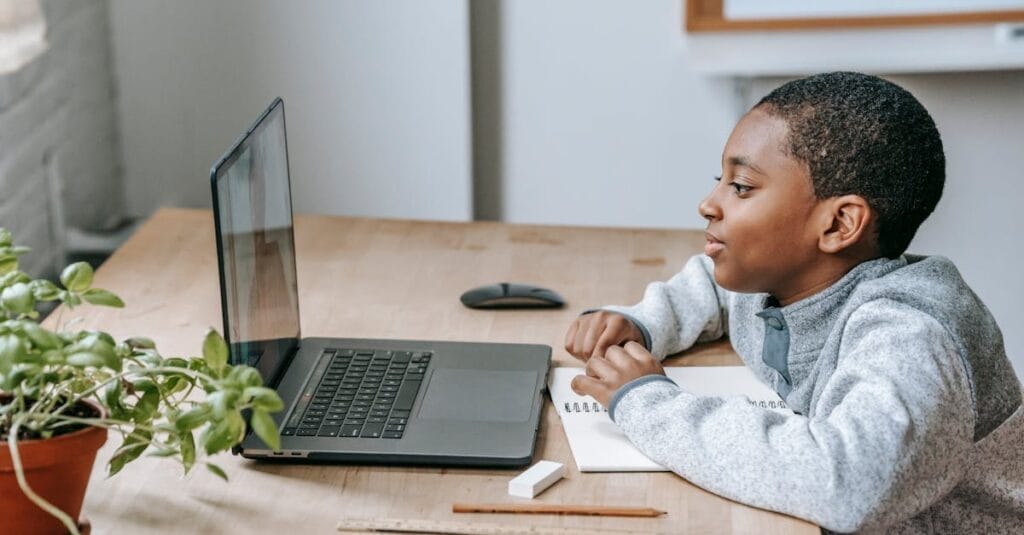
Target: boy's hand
(592, 334)
(619, 365)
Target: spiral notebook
(596, 442)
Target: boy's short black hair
(862, 135)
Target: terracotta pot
(57, 469)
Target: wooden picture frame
(707, 16)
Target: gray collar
(808, 322)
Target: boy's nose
(708, 209)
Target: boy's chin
(735, 282)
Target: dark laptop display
(254, 211)
(347, 399)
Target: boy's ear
(848, 222)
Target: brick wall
(59, 152)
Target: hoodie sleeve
(688, 308)
(889, 435)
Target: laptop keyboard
(359, 393)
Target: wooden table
(394, 279)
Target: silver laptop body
(346, 399)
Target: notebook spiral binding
(593, 406)
(584, 406)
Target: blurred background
(577, 112)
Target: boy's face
(760, 214)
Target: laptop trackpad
(479, 395)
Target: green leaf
(223, 434)
(44, 290)
(100, 344)
(192, 418)
(101, 297)
(188, 450)
(19, 373)
(83, 359)
(8, 264)
(5, 237)
(245, 376)
(148, 403)
(265, 428)
(18, 298)
(215, 351)
(217, 471)
(12, 349)
(77, 277)
(133, 446)
(223, 402)
(112, 399)
(140, 342)
(263, 398)
(41, 338)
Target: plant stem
(19, 472)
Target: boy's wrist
(631, 386)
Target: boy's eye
(740, 188)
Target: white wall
(606, 123)
(377, 99)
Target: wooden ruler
(447, 527)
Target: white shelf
(982, 47)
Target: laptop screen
(256, 246)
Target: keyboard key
(288, 431)
(401, 356)
(376, 419)
(397, 421)
(407, 395)
(399, 413)
(372, 430)
(394, 427)
(391, 434)
(329, 431)
(350, 430)
(307, 431)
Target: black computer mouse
(511, 295)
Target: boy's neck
(826, 271)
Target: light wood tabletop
(371, 278)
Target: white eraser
(535, 479)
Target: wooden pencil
(556, 509)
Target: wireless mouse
(511, 295)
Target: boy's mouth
(713, 246)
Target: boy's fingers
(608, 338)
(599, 368)
(588, 386)
(619, 357)
(570, 335)
(636, 350)
(577, 344)
(593, 334)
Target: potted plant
(62, 390)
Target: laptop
(351, 399)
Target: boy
(906, 411)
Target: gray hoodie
(907, 413)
